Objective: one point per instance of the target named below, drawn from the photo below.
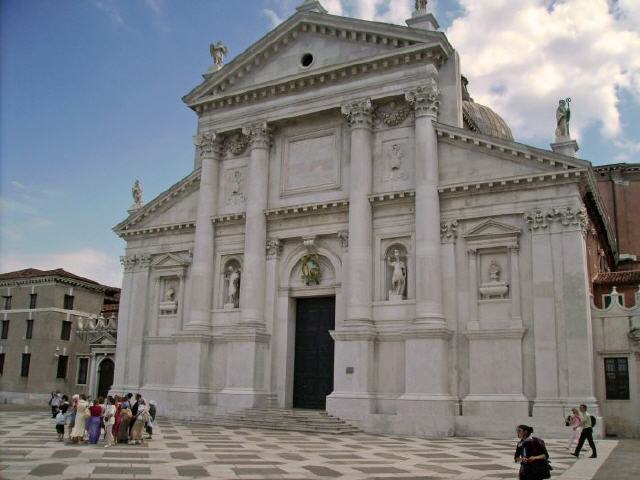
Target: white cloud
(273, 17)
(521, 57)
(156, 6)
(109, 8)
(17, 185)
(87, 262)
(393, 11)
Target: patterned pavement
(29, 450)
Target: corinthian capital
(259, 134)
(207, 144)
(128, 262)
(359, 113)
(425, 98)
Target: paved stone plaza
(29, 449)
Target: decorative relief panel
(541, 218)
(311, 162)
(394, 161)
(233, 181)
(393, 114)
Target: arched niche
(396, 271)
(231, 270)
(330, 273)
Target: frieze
(236, 144)
(130, 262)
(392, 114)
(540, 219)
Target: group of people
(531, 452)
(119, 419)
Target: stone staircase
(301, 420)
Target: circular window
(306, 60)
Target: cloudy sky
(90, 97)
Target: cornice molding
(387, 196)
(229, 218)
(181, 227)
(413, 55)
(494, 333)
(51, 279)
(307, 208)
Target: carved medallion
(311, 269)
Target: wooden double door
(313, 364)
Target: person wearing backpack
(588, 422)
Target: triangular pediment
(169, 260)
(490, 229)
(106, 340)
(331, 39)
(174, 206)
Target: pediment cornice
(131, 225)
(398, 37)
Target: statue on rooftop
(421, 5)
(136, 193)
(218, 51)
(563, 115)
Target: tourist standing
(574, 421)
(80, 424)
(140, 419)
(54, 402)
(531, 453)
(60, 419)
(95, 422)
(109, 421)
(152, 418)
(587, 423)
(125, 419)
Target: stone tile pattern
(29, 449)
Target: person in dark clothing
(586, 434)
(531, 453)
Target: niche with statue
(396, 277)
(169, 295)
(232, 273)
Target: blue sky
(90, 99)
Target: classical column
(360, 218)
(473, 285)
(208, 149)
(425, 100)
(427, 406)
(275, 329)
(124, 314)
(254, 263)
(516, 314)
(138, 314)
(247, 343)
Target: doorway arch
(105, 377)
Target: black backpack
(593, 421)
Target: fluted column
(360, 219)
(425, 100)
(252, 291)
(208, 149)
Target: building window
(29, 334)
(5, 329)
(7, 302)
(83, 369)
(66, 331)
(68, 302)
(26, 361)
(63, 362)
(616, 374)
(33, 300)
(1, 363)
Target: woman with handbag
(531, 453)
(574, 421)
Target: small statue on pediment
(421, 5)
(563, 116)
(136, 193)
(218, 51)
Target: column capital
(448, 231)
(274, 248)
(208, 145)
(425, 98)
(343, 237)
(259, 134)
(128, 262)
(359, 113)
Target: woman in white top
(109, 420)
(574, 420)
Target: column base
(236, 398)
(492, 415)
(351, 406)
(426, 415)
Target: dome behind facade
(481, 119)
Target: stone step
(282, 419)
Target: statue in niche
(136, 193)
(233, 287)
(170, 295)
(396, 156)
(311, 269)
(398, 276)
(494, 271)
(563, 116)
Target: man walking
(587, 433)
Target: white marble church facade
(346, 179)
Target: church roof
(480, 118)
(35, 273)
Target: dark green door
(313, 364)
